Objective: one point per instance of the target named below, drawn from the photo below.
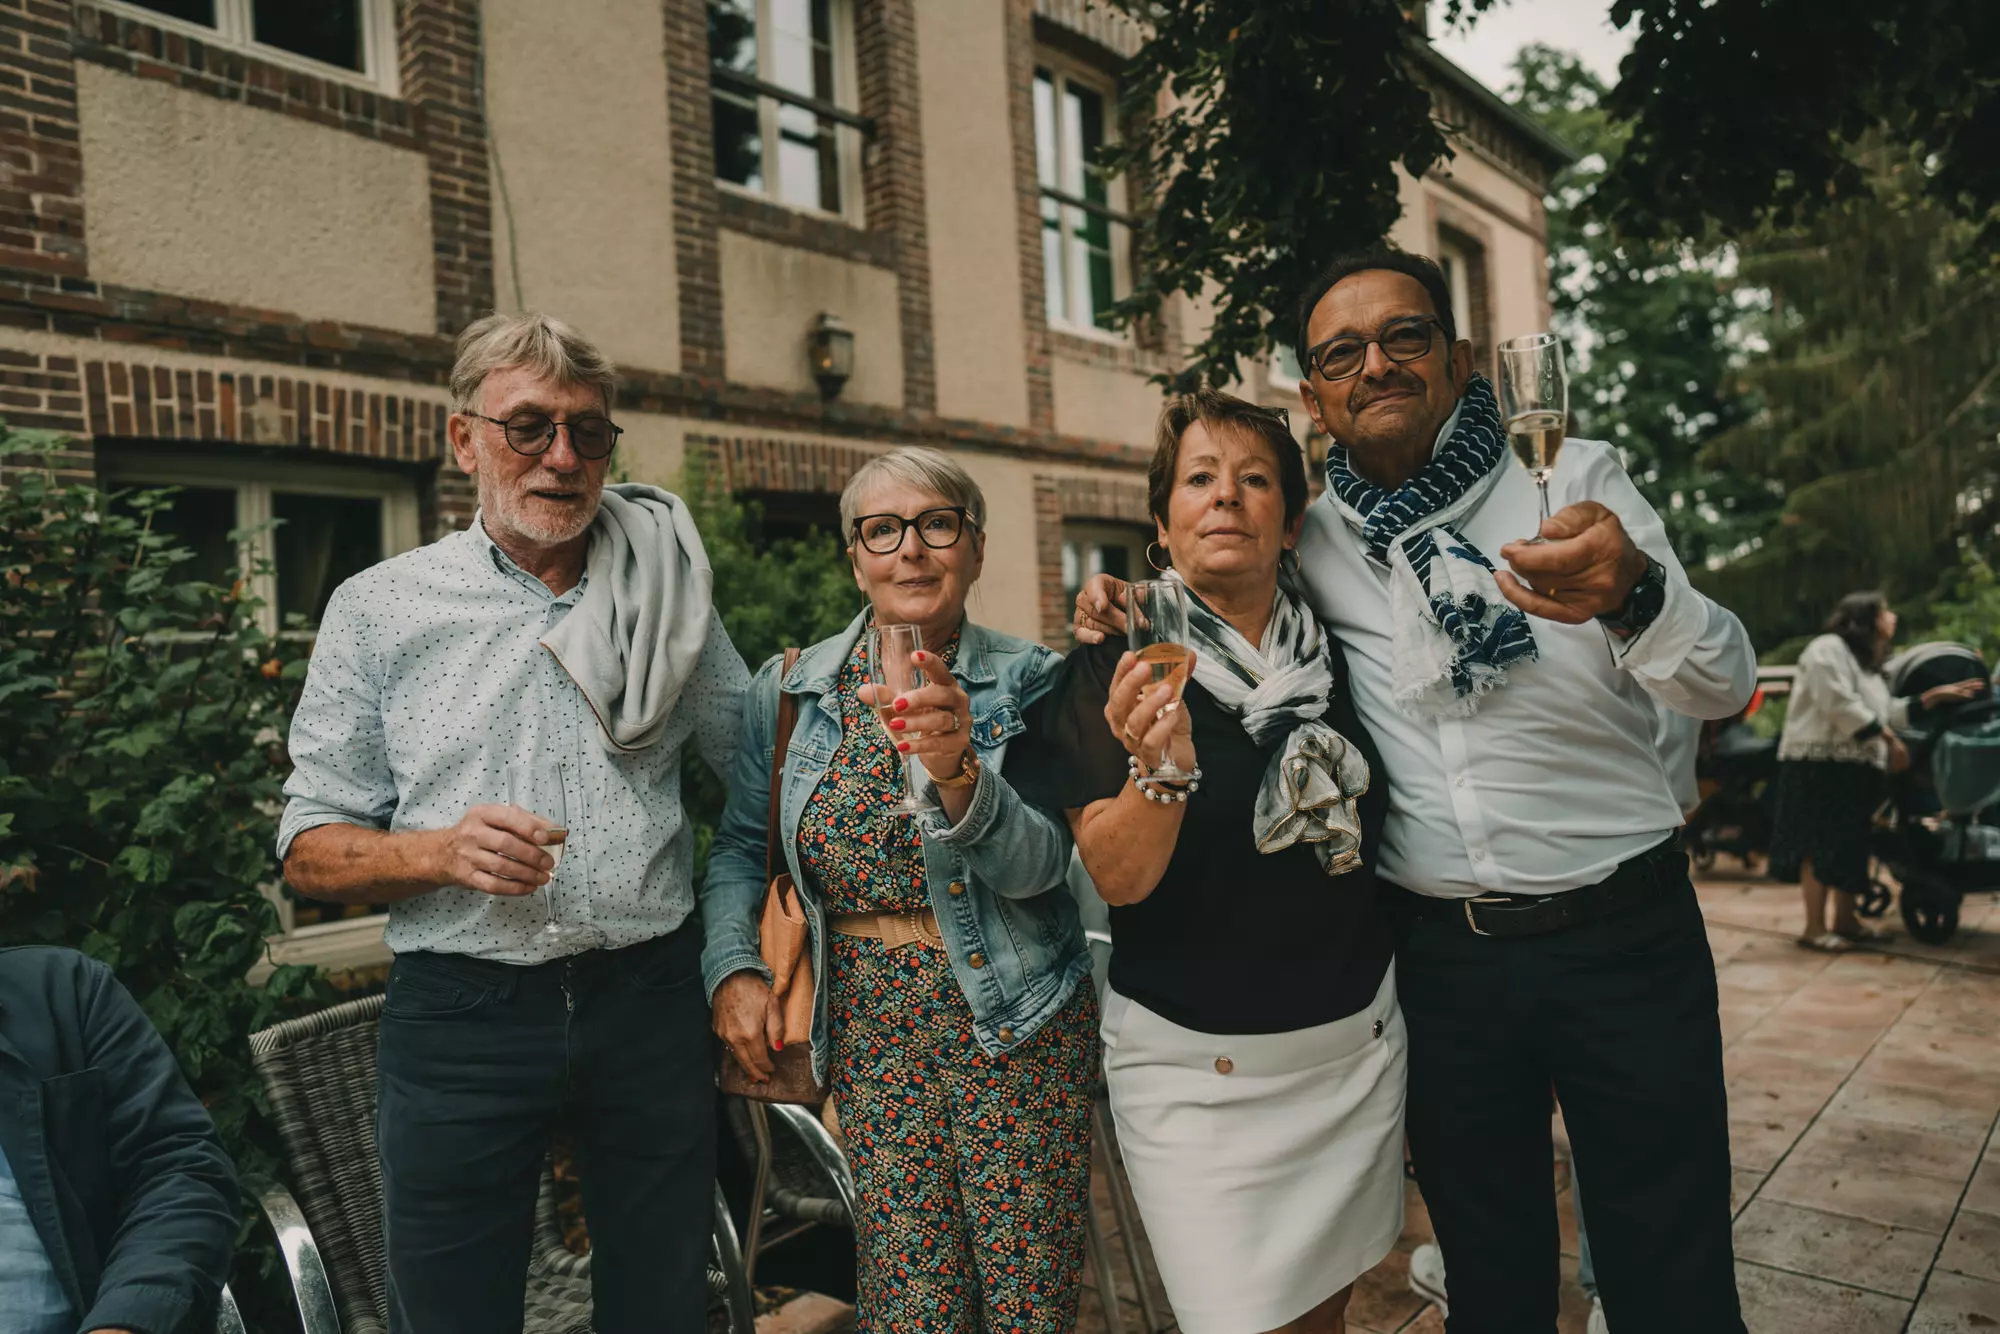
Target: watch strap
(1643, 604)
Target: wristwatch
(1642, 605)
(967, 775)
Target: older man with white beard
(569, 628)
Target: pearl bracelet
(1154, 789)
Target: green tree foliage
(1652, 326)
(1880, 394)
(140, 774)
(1277, 148)
(1741, 107)
(1276, 153)
(1970, 613)
(789, 593)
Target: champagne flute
(892, 673)
(1534, 403)
(1156, 630)
(538, 789)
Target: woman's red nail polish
(898, 724)
(902, 704)
(778, 1045)
(903, 746)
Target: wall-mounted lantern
(830, 351)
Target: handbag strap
(788, 716)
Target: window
(782, 113)
(1458, 277)
(1118, 550)
(327, 37)
(315, 525)
(1084, 228)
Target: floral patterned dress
(973, 1170)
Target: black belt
(1634, 881)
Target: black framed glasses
(532, 433)
(1402, 340)
(937, 529)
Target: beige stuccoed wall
(189, 194)
(1413, 230)
(970, 207)
(652, 448)
(771, 294)
(1008, 596)
(1103, 404)
(583, 208)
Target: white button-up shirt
(428, 679)
(1559, 776)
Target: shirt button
(1223, 1065)
(1458, 780)
(977, 961)
(1006, 1035)
(1479, 854)
(1378, 1028)
(957, 888)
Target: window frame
(851, 130)
(235, 26)
(1085, 534)
(254, 486)
(1065, 70)
(1456, 262)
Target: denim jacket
(996, 878)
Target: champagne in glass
(1156, 630)
(1534, 403)
(538, 789)
(892, 673)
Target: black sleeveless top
(1232, 940)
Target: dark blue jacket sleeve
(176, 1226)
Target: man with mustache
(1548, 933)
(570, 626)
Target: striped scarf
(1281, 688)
(1455, 634)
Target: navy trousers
(1619, 1016)
(479, 1061)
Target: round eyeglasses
(1400, 340)
(532, 433)
(882, 534)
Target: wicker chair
(319, 1073)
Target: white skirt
(1268, 1168)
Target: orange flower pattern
(973, 1170)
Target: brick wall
(1028, 212)
(754, 463)
(41, 170)
(885, 40)
(697, 258)
(439, 44)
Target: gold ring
(955, 723)
(1130, 740)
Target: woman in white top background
(1840, 733)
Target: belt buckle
(1472, 921)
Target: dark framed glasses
(1401, 341)
(882, 534)
(532, 433)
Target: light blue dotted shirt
(428, 679)
(31, 1296)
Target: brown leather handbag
(785, 945)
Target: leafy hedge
(140, 773)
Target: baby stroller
(1939, 833)
(1737, 770)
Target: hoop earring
(1288, 562)
(1162, 568)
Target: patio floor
(1863, 1093)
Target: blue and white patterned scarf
(1455, 634)
(1280, 690)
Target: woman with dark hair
(1839, 735)
(1255, 1054)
